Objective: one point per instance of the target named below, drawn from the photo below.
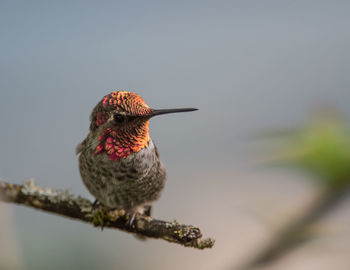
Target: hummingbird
(118, 161)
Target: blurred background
(249, 66)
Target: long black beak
(164, 111)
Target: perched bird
(118, 161)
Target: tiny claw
(148, 210)
(95, 204)
(131, 219)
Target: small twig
(63, 203)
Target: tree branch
(297, 231)
(63, 203)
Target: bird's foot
(147, 210)
(96, 204)
(131, 218)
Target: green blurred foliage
(322, 147)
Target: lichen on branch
(63, 203)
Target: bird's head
(121, 120)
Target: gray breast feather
(125, 183)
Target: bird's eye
(119, 118)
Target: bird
(118, 161)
